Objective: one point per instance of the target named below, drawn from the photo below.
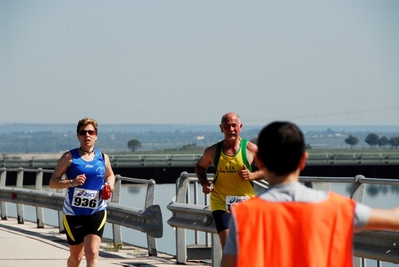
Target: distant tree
(372, 139)
(192, 147)
(189, 147)
(308, 146)
(383, 141)
(394, 142)
(134, 145)
(351, 140)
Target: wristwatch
(70, 183)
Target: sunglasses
(84, 132)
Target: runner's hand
(206, 189)
(245, 174)
(106, 191)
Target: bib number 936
(84, 198)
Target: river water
(377, 196)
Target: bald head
(230, 116)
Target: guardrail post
(181, 250)
(20, 207)
(358, 188)
(149, 201)
(359, 262)
(61, 214)
(217, 251)
(39, 210)
(116, 195)
(3, 175)
(357, 194)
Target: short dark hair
(280, 147)
(86, 121)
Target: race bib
(230, 200)
(84, 198)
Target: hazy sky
(311, 62)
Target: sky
(189, 62)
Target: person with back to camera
(90, 181)
(232, 158)
(292, 225)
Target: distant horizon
(188, 124)
(144, 127)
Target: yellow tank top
(228, 187)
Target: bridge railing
(147, 219)
(353, 158)
(131, 160)
(190, 214)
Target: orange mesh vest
(285, 234)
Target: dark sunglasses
(84, 132)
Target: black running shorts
(77, 227)
(221, 219)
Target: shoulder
(293, 192)
(100, 154)
(65, 159)
(106, 159)
(105, 156)
(211, 150)
(67, 155)
(251, 147)
(73, 153)
(208, 156)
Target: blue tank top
(85, 199)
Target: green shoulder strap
(244, 154)
(244, 157)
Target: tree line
(373, 140)
(115, 142)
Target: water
(377, 196)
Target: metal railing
(188, 213)
(191, 213)
(353, 158)
(145, 160)
(147, 220)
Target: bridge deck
(27, 245)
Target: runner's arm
(202, 165)
(109, 173)
(60, 169)
(252, 150)
(383, 219)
